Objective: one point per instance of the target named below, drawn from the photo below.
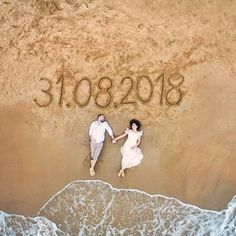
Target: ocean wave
(96, 208)
(18, 225)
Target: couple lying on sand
(131, 153)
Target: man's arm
(91, 131)
(109, 130)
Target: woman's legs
(123, 161)
(121, 173)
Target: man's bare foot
(91, 171)
(120, 172)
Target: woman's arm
(120, 137)
(139, 139)
(137, 144)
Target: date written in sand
(107, 92)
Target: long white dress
(131, 157)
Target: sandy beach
(169, 64)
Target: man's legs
(96, 149)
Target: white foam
(15, 225)
(92, 206)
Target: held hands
(114, 141)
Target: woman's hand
(114, 140)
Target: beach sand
(189, 147)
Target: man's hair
(99, 115)
(134, 121)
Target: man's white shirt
(97, 131)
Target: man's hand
(114, 141)
(93, 140)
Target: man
(97, 135)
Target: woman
(131, 153)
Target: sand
(189, 126)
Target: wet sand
(33, 169)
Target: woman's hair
(137, 122)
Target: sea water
(96, 208)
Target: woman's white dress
(131, 157)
